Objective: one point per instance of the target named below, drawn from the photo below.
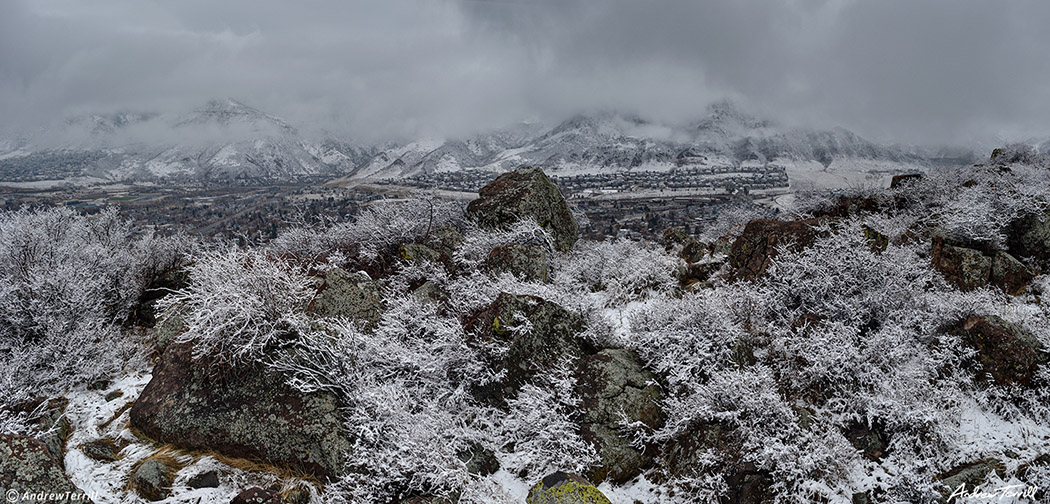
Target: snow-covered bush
(239, 304)
(379, 227)
(67, 283)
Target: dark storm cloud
(912, 71)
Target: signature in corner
(1019, 491)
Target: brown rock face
(522, 194)
(1007, 352)
(249, 413)
(963, 267)
(754, 250)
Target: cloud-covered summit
(935, 71)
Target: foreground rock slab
(246, 413)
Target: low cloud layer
(937, 71)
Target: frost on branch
(239, 304)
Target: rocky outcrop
(970, 268)
(27, 467)
(551, 339)
(528, 262)
(1029, 236)
(565, 488)
(1007, 353)
(248, 413)
(526, 193)
(351, 295)
(746, 483)
(754, 250)
(613, 385)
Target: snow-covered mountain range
(227, 141)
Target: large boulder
(351, 295)
(528, 262)
(1009, 274)
(526, 193)
(565, 488)
(754, 250)
(613, 385)
(26, 467)
(248, 413)
(550, 339)
(1008, 353)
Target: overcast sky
(938, 71)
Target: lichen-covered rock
(415, 252)
(1007, 352)
(152, 478)
(746, 483)
(1029, 236)
(754, 250)
(256, 495)
(693, 251)
(102, 450)
(564, 488)
(350, 295)
(430, 292)
(551, 340)
(967, 476)
(528, 262)
(249, 413)
(526, 193)
(169, 328)
(1009, 274)
(612, 384)
(965, 268)
(50, 417)
(27, 467)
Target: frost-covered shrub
(239, 303)
(67, 283)
(378, 228)
(622, 270)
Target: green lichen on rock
(564, 488)
(350, 295)
(550, 340)
(1029, 236)
(415, 252)
(526, 193)
(1009, 274)
(248, 413)
(27, 467)
(613, 385)
(528, 262)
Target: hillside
(877, 347)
